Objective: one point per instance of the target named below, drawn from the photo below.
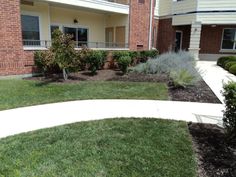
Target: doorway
(178, 40)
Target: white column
(195, 37)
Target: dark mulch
(199, 93)
(216, 157)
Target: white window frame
(222, 39)
(35, 14)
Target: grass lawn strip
(112, 147)
(20, 93)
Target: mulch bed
(199, 93)
(216, 157)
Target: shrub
(123, 63)
(179, 66)
(44, 61)
(82, 55)
(182, 78)
(229, 64)
(229, 117)
(95, 60)
(63, 48)
(146, 54)
(118, 54)
(222, 61)
(232, 69)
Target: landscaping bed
(113, 147)
(198, 93)
(216, 158)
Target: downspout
(150, 25)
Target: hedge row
(228, 63)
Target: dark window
(30, 30)
(141, 1)
(53, 28)
(229, 39)
(80, 35)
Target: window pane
(53, 28)
(228, 39)
(70, 31)
(82, 36)
(30, 27)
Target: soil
(198, 93)
(216, 157)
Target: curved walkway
(37, 117)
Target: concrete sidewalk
(215, 76)
(37, 117)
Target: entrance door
(109, 36)
(178, 40)
(71, 31)
(120, 36)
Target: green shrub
(182, 78)
(232, 69)
(44, 61)
(229, 64)
(123, 63)
(229, 117)
(146, 54)
(118, 54)
(222, 61)
(95, 60)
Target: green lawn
(105, 148)
(18, 93)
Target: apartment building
(205, 28)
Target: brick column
(139, 18)
(12, 56)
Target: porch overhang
(98, 5)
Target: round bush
(222, 61)
(229, 64)
(232, 69)
(123, 63)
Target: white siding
(183, 19)
(217, 18)
(216, 5)
(163, 7)
(184, 6)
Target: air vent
(28, 3)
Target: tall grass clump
(180, 67)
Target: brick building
(207, 30)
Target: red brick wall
(186, 29)
(165, 35)
(211, 37)
(13, 59)
(139, 24)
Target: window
(53, 28)
(79, 34)
(30, 30)
(141, 1)
(229, 39)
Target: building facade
(207, 30)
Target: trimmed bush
(229, 64)
(229, 117)
(146, 54)
(123, 63)
(232, 69)
(118, 54)
(95, 60)
(222, 61)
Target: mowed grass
(19, 93)
(106, 148)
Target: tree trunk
(65, 74)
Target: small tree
(229, 117)
(64, 53)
